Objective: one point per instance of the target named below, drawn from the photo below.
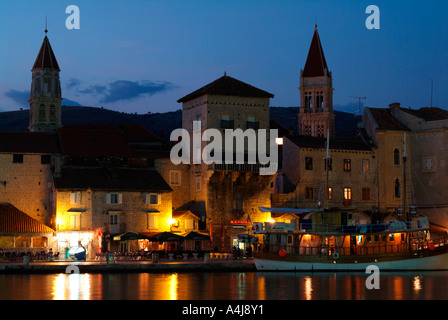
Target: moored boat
(392, 246)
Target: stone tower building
(316, 93)
(45, 98)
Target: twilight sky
(142, 56)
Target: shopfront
(72, 242)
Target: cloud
(19, 97)
(22, 97)
(129, 90)
(93, 90)
(73, 83)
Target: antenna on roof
(431, 91)
(359, 103)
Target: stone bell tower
(316, 93)
(45, 98)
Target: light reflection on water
(223, 286)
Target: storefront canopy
(166, 236)
(130, 236)
(197, 236)
(284, 210)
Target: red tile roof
(12, 220)
(228, 86)
(354, 143)
(316, 65)
(385, 120)
(113, 179)
(80, 141)
(46, 58)
(428, 113)
(29, 142)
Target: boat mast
(405, 213)
(327, 163)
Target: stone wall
(28, 186)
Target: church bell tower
(316, 93)
(45, 98)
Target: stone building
(423, 184)
(227, 196)
(108, 184)
(100, 203)
(351, 177)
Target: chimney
(394, 106)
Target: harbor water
(224, 286)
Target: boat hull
(428, 263)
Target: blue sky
(142, 56)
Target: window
(238, 202)
(365, 165)
(175, 178)
(114, 198)
(52, 114)
(308, 163)
(17, 158)
(330, 164)
(42, 113)
(252, 124)
(198, 183)
(366, 194)
(307, 131)
(45, 159)
(75, 197)
(309, 193)
(189, 224)
(320, 131)
(47, 84)
(428, 164)
(113, 223)
(397, 188)
(347, 193)
(347, 165)
(308, 100)
(396, 157)
(330, 193)
(153, 222)
(226, 123)
(152, 198)
(75, 221)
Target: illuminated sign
(239, 222)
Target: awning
(197, 236)
(166, 236)
(130, 236)
(76, 210)
(284, 210)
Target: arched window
(42, 113)
(52, 114)
(397, 188)
(396, 157)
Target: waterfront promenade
(102, 266)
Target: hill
(346, 123)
